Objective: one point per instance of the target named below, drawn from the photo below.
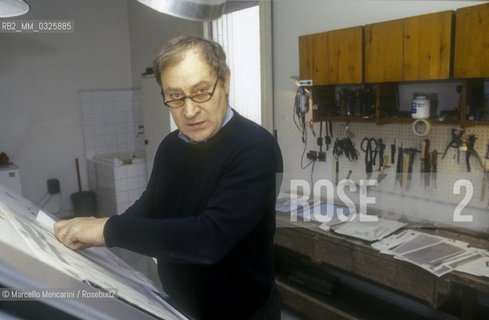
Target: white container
(10, 178)
(420, 107)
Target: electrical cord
(300, 124)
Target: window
(241, 33)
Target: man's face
(192, 75)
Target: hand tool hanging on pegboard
(369, 146)
(399, 167)
(471, 151)
(455, 142)
(425, 162)
(393, 151)
(381, 147)
(411, 152)
(434, 169)
(382, 175)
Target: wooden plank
(345, 56)
(381, 269)
(384, 51)
(360, 259)
(306, 57)
(295, 240)
(428, 46)
(320, 69)
(471, 58)
(306, 304)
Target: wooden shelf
(345, 119)
(433, 122)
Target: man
(208, 213)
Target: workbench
(357, 258)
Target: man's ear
(227, 77)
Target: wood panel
(472, 42)
(320, 69)
(345, 56)
(384, 45)
(428, 46)
(295, 240)
(370, 265)
(313, 62)
(306, 57)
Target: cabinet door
(428, 46)
(320, 70)
(472, 42)
(312, 58)
(345, 56)
(384, 51)
(306, 57)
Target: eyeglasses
(199, 98)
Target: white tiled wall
(116, 188)
(111, 121)
(130, 182)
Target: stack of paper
(435, 254)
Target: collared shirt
(229, 114)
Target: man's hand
(81, 233)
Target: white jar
(420, 107)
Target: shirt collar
(229, 114)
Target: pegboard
(449, 171)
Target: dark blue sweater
(208, 215)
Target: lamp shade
(200, 10)
(13, 8)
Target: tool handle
(78, 174)
(384, 163)
(393, 152)
(434, 160)
(407, 159)
(368, 166)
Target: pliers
(455, 143)
(470, 150)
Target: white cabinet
(10, 178)
(156, 118)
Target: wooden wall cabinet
(345, 56)
(384, 51)
(411, 49)
(333, 57)
(436, 46)
(313, 62)
(428, 46)
(472, 42)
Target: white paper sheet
(18, 221)
(438, 255)
(369, 231)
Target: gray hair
(172, 53)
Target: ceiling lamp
(188, 9)
(13, 8)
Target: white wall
(294, 18)
(40, 75)
(149, 30)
